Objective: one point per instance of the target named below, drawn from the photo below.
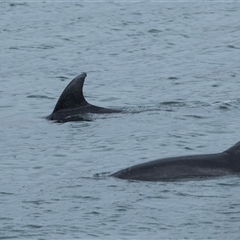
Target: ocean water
(174, 63)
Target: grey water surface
(173, 66)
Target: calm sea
(175, 63)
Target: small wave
(6, 193)
(39, 96)
(154, 30)
(18, 4)
(227, 105)
(101, 175)
(6, 106)
(173, 103)
(196, 116)
(44, 46)
(231, 46)
(32, 226)
(62, 78)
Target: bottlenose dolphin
(186, 167)
(72, 106)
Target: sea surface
(173, 67)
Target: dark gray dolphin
(71, 105)
(186, 167)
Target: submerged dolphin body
(72, 105)
(186, 167)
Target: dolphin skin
(186, 167)
(72, 106)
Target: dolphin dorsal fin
(235, 149)
(72, 96)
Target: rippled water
(177, 64)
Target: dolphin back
(235, 149)
(185, 167)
